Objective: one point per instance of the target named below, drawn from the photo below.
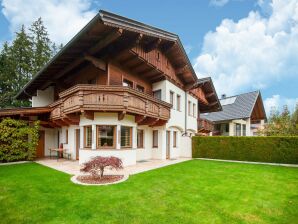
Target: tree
(97, 165)
(281, 124)
(41, 45)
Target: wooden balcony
(86, 99)
(205, 126)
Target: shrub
(18, 140)
(257, 149)
(97, 165)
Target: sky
(243, 45)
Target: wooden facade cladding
(200, 95)
(205, 126)
(158, 60)
(85, 98)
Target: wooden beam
(60, 123)
(149, 121)
(121, 115)
(88, 114)
(152, 45)
(210, 95)
(159, 123)
(139, 118)
(98, 63)
(181, 70)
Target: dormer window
(127, 83)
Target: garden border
(75, 181)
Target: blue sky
(243, 45)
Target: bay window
(105, 136)
(87, 136)
(126, 139)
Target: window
(157, 94)
(140, 88)
(155, 139)
(168, 63)
(244, 129)
(175, 139)
(87, 136)
(125, 136)
(92, 81)
(157, 56)
(238, 130)
(127, 83)
(140, 139)
(172, 98)
(178, 102)
(66, 136)
(194, 110)
(105, 136)
(189, 108)
(227, 128)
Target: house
(118, 88)
(241, 115)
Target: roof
(24, 111)
(242, 106)
(214, 104)
(95, 31)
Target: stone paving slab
(73, 167)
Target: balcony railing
(96, 98)
(205, 126)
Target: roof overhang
(97, 32)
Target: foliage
(186, 193)
(21, 59)
(18, 140)
(97, 165)
(257, 149)
(281, 124)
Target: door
(77, 143)
(168, 144)
(40, 145)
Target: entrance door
(168, 144)
(77, 143)
(40, 145)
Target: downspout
(185, 117)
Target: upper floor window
(172, 97)
(92, 81)
(157, 56)
(175, 139)
(140, 88)
(66, 136)
(194, 110)
(127, 83)
(178, 102)
(189, 108)
(157, 94)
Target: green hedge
(18, 140)
(257, 149)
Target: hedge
(18, 140)
(256, 149)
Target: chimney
(223, 96)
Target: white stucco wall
(43, 97)
(51, 139)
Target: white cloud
(253, 52)
(277, 102)
(218, 3)
(63, 18)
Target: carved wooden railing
(85, 97)
(205, 125)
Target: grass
(190, 192)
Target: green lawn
(189, 192)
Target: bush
(257, 149)
(18, 140)
(97, 165)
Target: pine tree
(42, 46)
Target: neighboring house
(241, 115)
(118, 88)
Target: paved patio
(73, 167)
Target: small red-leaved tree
(97, 165)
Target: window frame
(172, 94)
(141, 146)
(66, 136)
(130, 137)
(174, 139)
(114, 137)
(157, 91)
(125, 80)
(138, 87)
(189, 108)
(178, 103)
(236, 131)
(153, 138)
(85, 136)
(194, 110)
